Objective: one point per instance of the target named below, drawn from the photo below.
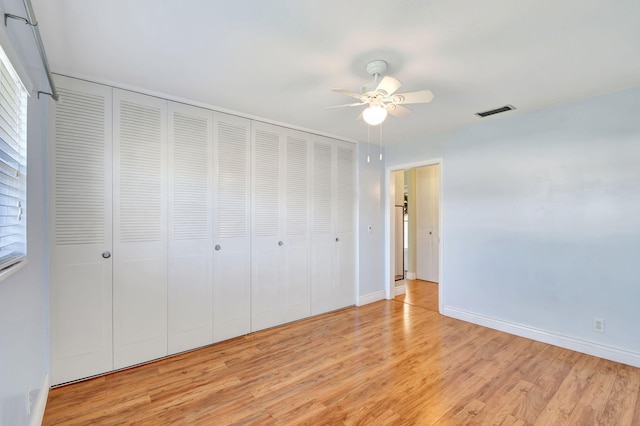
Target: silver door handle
(217, 247)
(106, 254)
(337, 239)
(280, 243)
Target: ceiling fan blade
(346, 105)
(398, 110)
(419, 97)
(388, 85)
(348, 93)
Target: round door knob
(430, 232)
(217, 247)
(106, 254)
(280, 243)
(337, 238)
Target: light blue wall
(542, 217)
(370, 203)
(24, 299)
(421, 150)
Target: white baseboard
(411, 275)
(371, 297)
(567, 342)
(401, 289)
(38, 410)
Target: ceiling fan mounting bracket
(377, 67)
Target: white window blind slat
(13, 148)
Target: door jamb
(390, 228)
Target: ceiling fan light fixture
(374, 115)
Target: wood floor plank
(395, 362)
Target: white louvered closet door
(190, 215)
(280, 223)
(232, 239)
(323, 238)
(296, 282)
(140, 228)
(345, 195)
(267, 243)
(80, 231)
(333, 225)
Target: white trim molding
(411, 275)
(370, 298)
(584, 346)
(389, 229)
(38, 411)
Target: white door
(345, 220)
(232, 239)
(140, 228)
(296, 294)
(427, 220)
(323, 239)
(267, 257)
(190, 218)
(332, 225)
(280, 260)
(80, 231)
(399, 242)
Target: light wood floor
(389, 362)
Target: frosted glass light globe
(374, 115)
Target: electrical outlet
(598, 325)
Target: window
(13, 161)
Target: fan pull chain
(368, 143)
(380, 141)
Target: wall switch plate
(598, 325)
(369, 228)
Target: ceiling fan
(381, 96)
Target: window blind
(13, 160)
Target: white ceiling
(278, 59)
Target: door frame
(389, 239)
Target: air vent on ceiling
(495, 111)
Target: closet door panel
(190, 216)
(333, 229)
(140, 228)
(267, 225)
(322, 227)
(296, 282)
(232, 239)
(345, 224)
(80, 230)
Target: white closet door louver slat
(232, 254)
(190, 177)
(322, 188)
(345, 190)
(140, 273)
(79, 169)
(80, 175)
(141, 173)
(297, 186)
(232, 180)
(267, 184)
(190, 216)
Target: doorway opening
(414, 227)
